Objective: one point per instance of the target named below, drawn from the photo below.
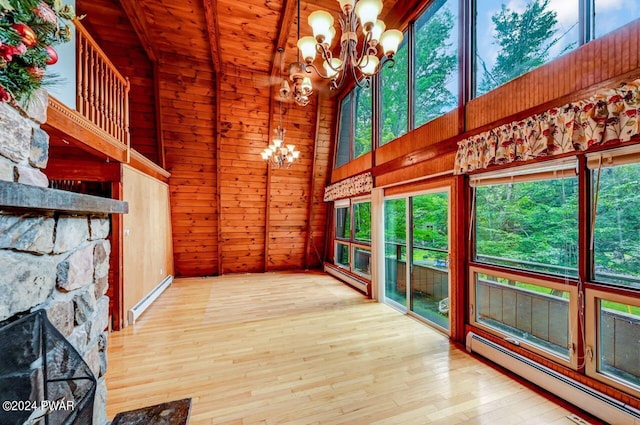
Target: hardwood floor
(303, 348)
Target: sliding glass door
(417, 255)
(429, 264)
(395, 250)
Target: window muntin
(343, 222)
(613, 339)
(343, 154)
(533, 313)
(394, 96)
(511, 38)
(362, 135)
(362, 221)
(616, 234)
(609, 15)
(435, 72)
(528, 225)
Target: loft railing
(102, 93)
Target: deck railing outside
(102, 94)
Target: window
(362, 221)
(355, 125)
(342, 255)
(609, 15)
(613, 339)
(512, 38)
(535, 313)
(616, 234)
(436, 61)
(529, 221)
(343, 154)
(394, 113)
(352, 248)
(343, 222)
(363, 125)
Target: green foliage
(617, 230)
(436, 65)
(534, 221)
(394, 92)
(362, 221)
(22, 59)
(524, 41)
(363, 124)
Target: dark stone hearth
(170, 413)
(36, 360)
(24, 197)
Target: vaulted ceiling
(233, 33)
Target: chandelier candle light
(355, 13)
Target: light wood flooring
(303, 348)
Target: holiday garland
(28, 30)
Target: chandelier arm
(317, 71)
(388, 60)
(366, 49)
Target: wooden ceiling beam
(210, 8)
(289, 10)
(135, 14)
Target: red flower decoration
(4, 95)
(615, 99)
(631, 113)
(7, 52)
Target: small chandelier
(302, 88)
(277, 153)
(355, 13)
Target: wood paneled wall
(325, 132)
(244, 133)
(108, 24)
(148, 256)
(188, 113)
(271, 219)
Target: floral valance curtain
(348, 188)
(608, 117)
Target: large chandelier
(361, 65)
(277, 154)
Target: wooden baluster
(92, 87)
(126, 119)
(79, 71)
(85, 80)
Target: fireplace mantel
(22, 197)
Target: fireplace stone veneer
(54, 246)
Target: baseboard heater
(144, 303)
(598, 404)
(362, 286)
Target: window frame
(592, 336)
(548, 170)
(351, 244)
(572, 361)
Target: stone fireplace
(54, 245)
